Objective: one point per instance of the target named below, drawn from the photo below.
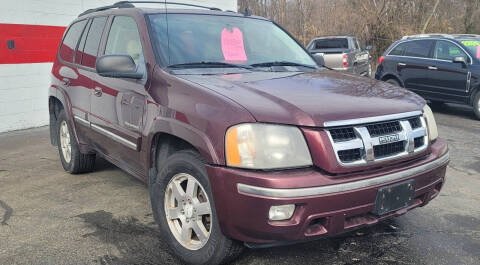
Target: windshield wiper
(209, 65)
(282, 63)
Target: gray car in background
(343, 53)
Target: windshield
(195, 39)
(331, 43)
(473, 46)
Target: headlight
(266, 146)
(432, 125)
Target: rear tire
(476, 105)
(178, 171)
(393, 82)
(72, 160)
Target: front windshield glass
(227, 40)
(473, 45)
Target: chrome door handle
(401, 64)
(97, 91)
(432, 68)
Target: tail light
(380, 60)
(345, 63)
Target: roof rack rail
(130, 4)
(168, 3)
(123, 4)
(429, 35)
(467, 35)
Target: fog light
(281, 212)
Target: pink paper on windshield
(478, 52)
(232, 45)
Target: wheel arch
(181, 137)
(54, 108)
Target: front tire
(393, 82)
(183, 206)
(72, 160)
(476, 105)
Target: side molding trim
(107, 133)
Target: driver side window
(125, 39)
(445, 50)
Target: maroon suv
(242, 139)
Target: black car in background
(441, 68)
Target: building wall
(36, 27)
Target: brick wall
(25, 70)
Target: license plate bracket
(393, 197)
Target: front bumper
(325, 205)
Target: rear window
(331, 43)
(399, 49)
(67, 50)
(90, 49)
(419, 48)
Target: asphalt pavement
(50, 217)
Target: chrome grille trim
(366, 142)
(389, 117)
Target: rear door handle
(97, 91)
(66, 82)
(432, 68)
(401, 64)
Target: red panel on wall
(32, 43)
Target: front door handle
(401, 64)
(97, 91)
(432, 68)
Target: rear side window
(90, 49)
(331, 43)
(67, 50)
(124, 38)
(419, 48)
(399, 49)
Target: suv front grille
(342, 134)
(349, 155)
(373, 142)
(388, 149)
(384, 128)
(415, 122)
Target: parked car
(441, 68)
(342, 53)
(242, 139)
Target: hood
(310, 99)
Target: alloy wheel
(188, 211)
(65, 142)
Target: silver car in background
(343, 53)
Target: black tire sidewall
(184, 162)
(393, 82)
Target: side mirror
(460, 59)
(117, 66)
(369, 47)
(318, 59)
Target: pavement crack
(8, 212)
